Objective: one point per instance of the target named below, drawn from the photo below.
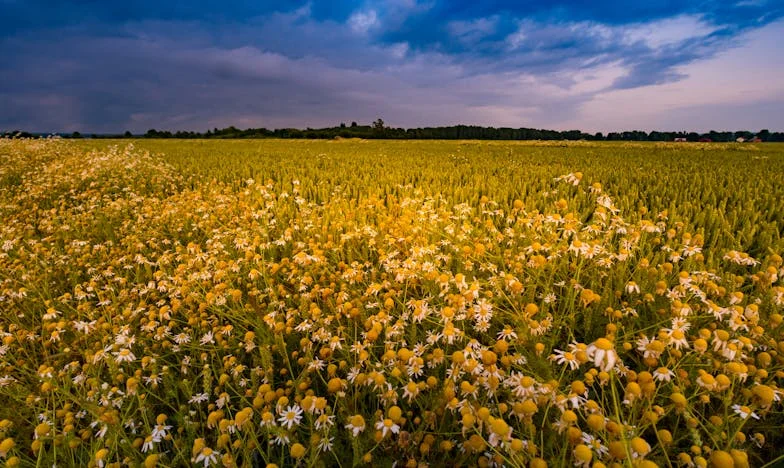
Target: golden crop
(298, 303)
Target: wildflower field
(346, 303)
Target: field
(344, 303)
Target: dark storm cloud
(111, 66)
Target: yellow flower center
(603, 343)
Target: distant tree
(379, 129)
(18, 134)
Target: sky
(603, 65)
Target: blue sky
(103, 66)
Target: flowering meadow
(355, 303)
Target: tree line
(378, 130)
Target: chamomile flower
(356, 424)
(207, 456)
(744, 412)
(325, 444)
(603, 354)
(198, 398)
(291, 416)
(387, 426)
(662, 374)
(565, 358)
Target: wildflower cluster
(151, 318)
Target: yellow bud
(297, 451)
(721, 459)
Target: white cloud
(399, 50)
(668, 31)
(593, 79)
(516, 39)
(363, 21)
(735, 79)
(655, 35)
